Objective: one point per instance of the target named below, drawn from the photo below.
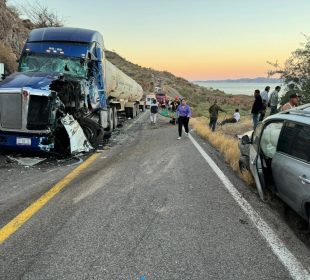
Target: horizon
(197, 40)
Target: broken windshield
(34, 62)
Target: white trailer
(123, 92)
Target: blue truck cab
(58, 90)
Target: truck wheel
(115, 119)
(93, 132)
(110, 121)
(137, 110)
(142, 107)
(130, 113)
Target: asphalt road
(150, 207)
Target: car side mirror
(245, 140)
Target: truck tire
(92, 131)
(130, 113)
(115, 118)
(110, 121)
(142, 107)
(137, 109)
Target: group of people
(263, 101)
(182, 110)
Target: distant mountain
(244, 80)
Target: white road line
(294, 267)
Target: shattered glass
(52, 64)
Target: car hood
(33, 80)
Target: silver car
(278, 156)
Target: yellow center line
(26, 214)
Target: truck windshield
(34, 62)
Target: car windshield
(51, 64)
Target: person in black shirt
(256, 108)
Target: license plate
(23, 141)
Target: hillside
(13, 33)
(198, 97)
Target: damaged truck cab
(62, 98)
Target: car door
(255, 161)
(291, 165)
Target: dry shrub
(226, 145)
(247, 177)
(8, 58)
(236, 129)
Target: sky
(194, 39)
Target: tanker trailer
(124, 93)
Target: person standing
(154, 111)
(294, 98)
(265, 99)
(256, 107)
(184, 113)
(214, 114)
(274, 101)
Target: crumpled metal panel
(78, 141)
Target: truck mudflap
(78, 140)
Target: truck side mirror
(245, 140)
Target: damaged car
(278, 156)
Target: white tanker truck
(124, 93)
(66, 96)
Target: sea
(237, 87)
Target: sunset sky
(197, 39)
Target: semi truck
(66, 96)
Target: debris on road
(26, 161)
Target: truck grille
(38, 113)
(11, 110)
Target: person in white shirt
(294, 98)
(234, 119)
(265, 98)
(154, 111)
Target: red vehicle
(161, 99)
